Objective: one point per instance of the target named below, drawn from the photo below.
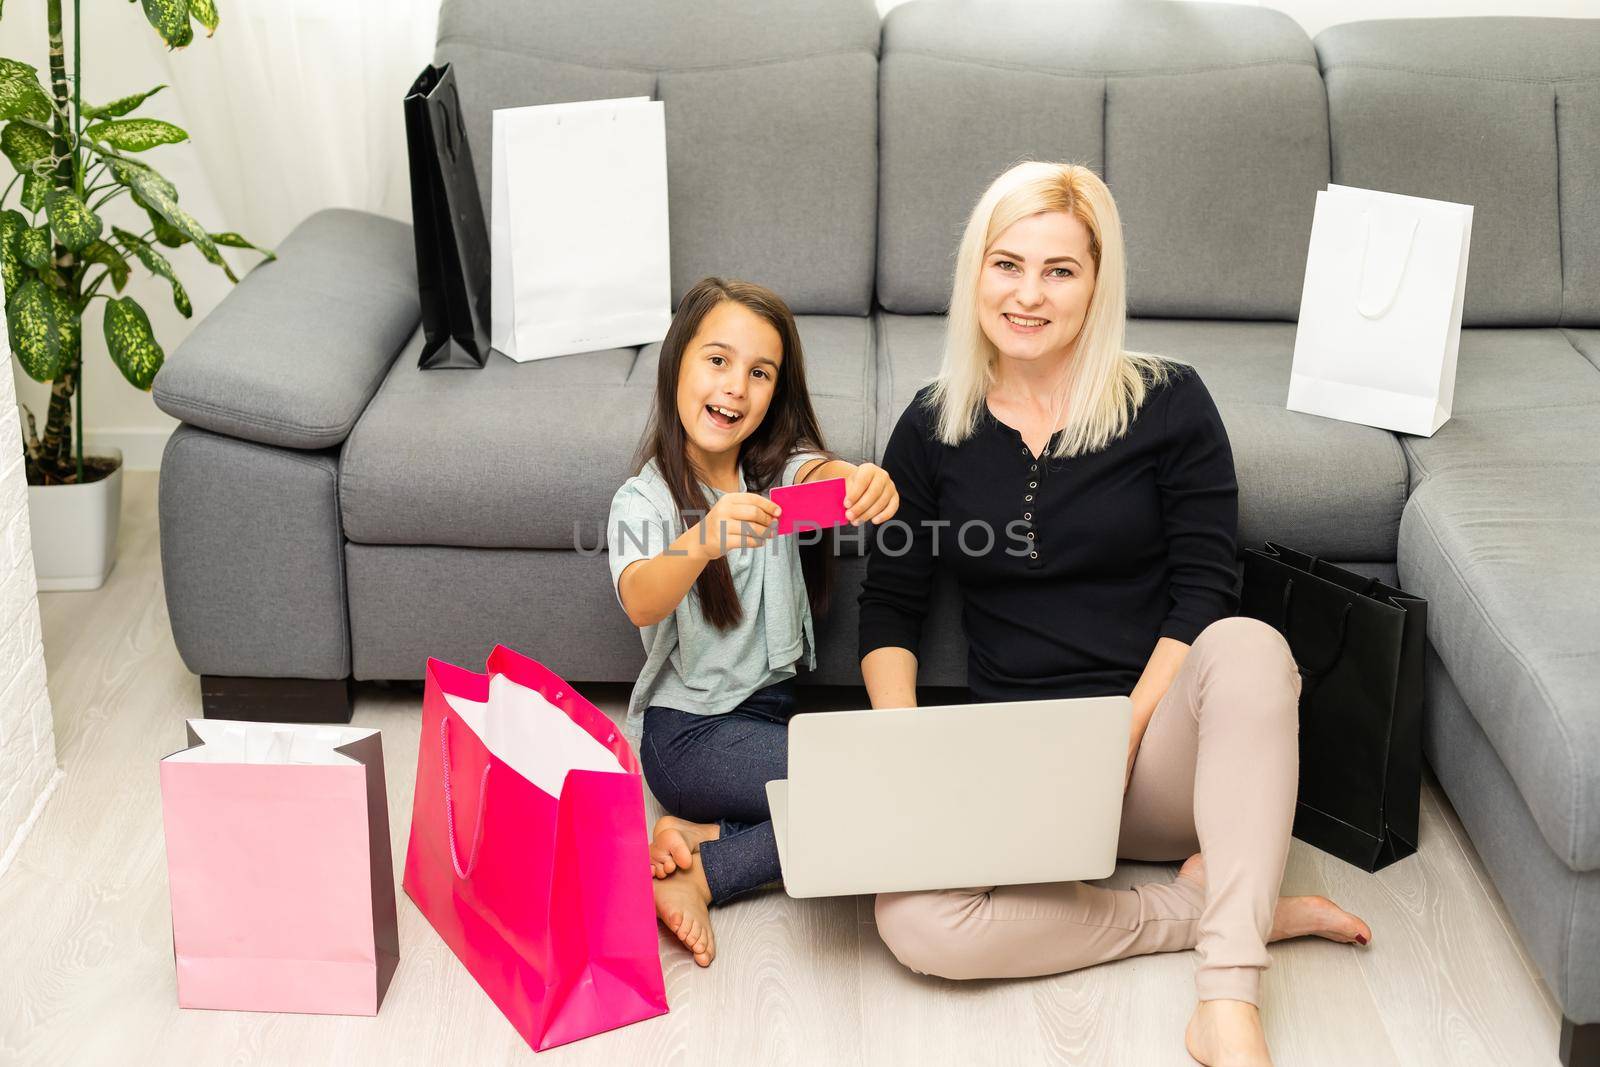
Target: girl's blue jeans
(715, 769)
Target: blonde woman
(1108, 482)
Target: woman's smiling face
(1034, 286)
(727, 379)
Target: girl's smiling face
(1035, 286)
(726, 382)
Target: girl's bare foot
(683, 902)
(1227, 1033)
(674, 842)
(1298, 916)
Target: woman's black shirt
(1086, 562)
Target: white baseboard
(141, 448)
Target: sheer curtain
(294, 106)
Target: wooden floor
(86, 972)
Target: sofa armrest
(294, 353)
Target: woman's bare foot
(674, 842)
(1227, 1033)
(1298, 916)
(683, 902)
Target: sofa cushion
(1587, 342)
(771, 111)
(1504, 557)
(250, 544)
(1410, 105)
(1524, 398)
(1556, 909)
(1330, 488)
(1208, 122)
(528, 455)
(291, 357)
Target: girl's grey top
(689, 664)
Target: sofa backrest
(1208, 122)
(1499, 113)
(797, 159)
(772, 165)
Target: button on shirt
(1069, 570)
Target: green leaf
(148, 187)
(43, 328)
(12, 223)
(136, 135)
(75, 225)
(171, 20)
(156, 264)
(164, 233)
(118, 108)
(190, 228)
(20, 92)
(34, 189)
(229, 239)
(132, 342)
(157, 195)
(33, 247)
(205, 13)
(25, 144)
(104, 254)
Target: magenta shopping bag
(528, 850)
(279, 866)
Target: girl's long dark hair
(790, 426)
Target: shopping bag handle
(450, 806)
(1338, 648)
(1366, 590)
(1361, 275)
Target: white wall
(27, 738)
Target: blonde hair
(1106, 384)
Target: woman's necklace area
(1033, 427)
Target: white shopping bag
(580, 259)
(1380, 314)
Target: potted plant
(59, 252)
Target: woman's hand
(737, 520)
(1143, 709)
(870, 495)
(1157, 678)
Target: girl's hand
(870, 495)
(737, 520)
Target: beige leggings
(1216, 773)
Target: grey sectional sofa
(329, 512)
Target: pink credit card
(811, 506)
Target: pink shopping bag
(279, 867)
(528, 850)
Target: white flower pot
(74, 529)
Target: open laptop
(887, 800)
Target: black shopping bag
(1359, 647)
(447, 219)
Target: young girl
(721, 603)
